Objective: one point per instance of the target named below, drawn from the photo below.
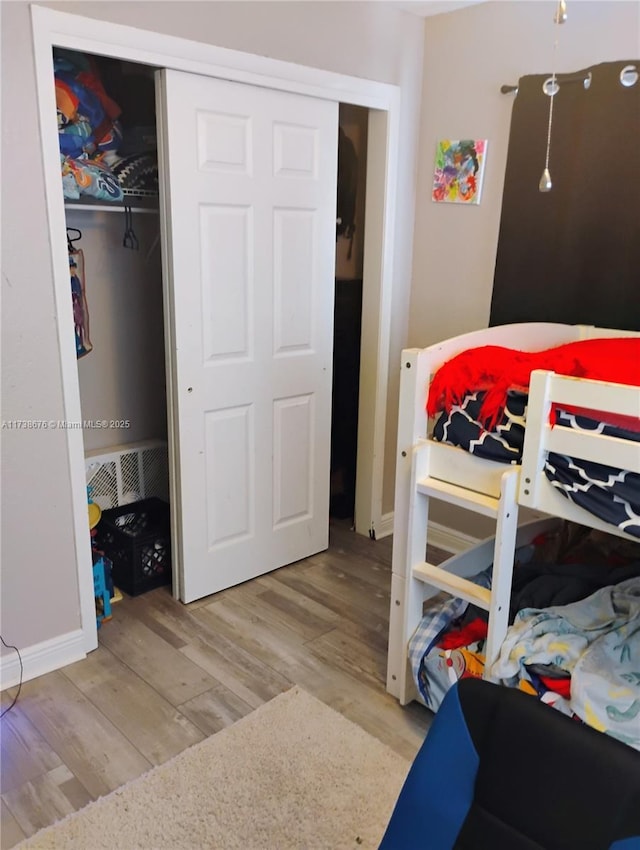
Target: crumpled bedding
(496, 371)
(543, 585)
(597, 641)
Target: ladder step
(453, 584)
(454, 495)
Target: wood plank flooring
(167, 675)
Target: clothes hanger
(129, 240)
(71, 239)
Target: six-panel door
(252, 201)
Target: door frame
(61, 29)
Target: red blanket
(496, 370)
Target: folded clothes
(92, 178)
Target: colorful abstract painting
(457, 178)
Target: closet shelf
(138, 202)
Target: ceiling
(425, 9)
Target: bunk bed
(430, 469)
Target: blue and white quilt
(597, 641)
(611, 494)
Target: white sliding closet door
(252, 176)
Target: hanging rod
(561, 78)
(110, 208)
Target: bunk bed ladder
(419, 478)
(452, 576)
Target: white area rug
(293, 775)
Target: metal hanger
(129, 240)
(72, 239)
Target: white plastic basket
(128, 473)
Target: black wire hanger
(71, 239)
(129, 240)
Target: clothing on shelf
(95, 151)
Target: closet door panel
(225, 234)
(293, 308)
(229, 453)
(293, 460)
(252, 177)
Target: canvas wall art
(459, 171)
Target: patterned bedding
(611, 494)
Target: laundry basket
(136, 538)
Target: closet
(347, 323)
(122, 377)
(107, 132)
(122, 380)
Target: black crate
(136, 538)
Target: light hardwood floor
(166, 675)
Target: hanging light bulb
(561, 13)
(551, 88)
(545, 183)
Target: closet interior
(109, 164)
(352, 171)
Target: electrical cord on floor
(15, 699)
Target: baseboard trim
(440, 536)
(386, 525)
(450, 539)
(41, 658)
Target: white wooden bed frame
(428, 470)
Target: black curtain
(572, 254)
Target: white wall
(469, 54)
(39, 583)
(371, 40)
